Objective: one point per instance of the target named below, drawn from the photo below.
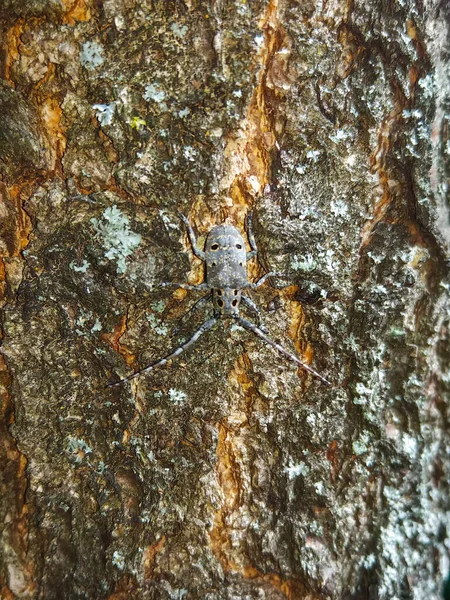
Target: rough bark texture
(229, 474)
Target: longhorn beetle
(226, 276)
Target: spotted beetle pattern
(225, 257)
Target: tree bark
(229, 473)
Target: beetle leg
(197, 304)
(257, 331)
(185, 286)
(201, 330)
(251, 238)
(195, 249)
(256, 310)
(262, 279)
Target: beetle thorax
(226, 259)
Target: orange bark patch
(113, 339)
(249, 151)
(11, 48)
(228, 473)
(231, 481)
(149, 557)
(78, 10)
(125, 589)
(14, 218)
(51, 115)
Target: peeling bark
(230, 473)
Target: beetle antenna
(257, 331)
(200, 331)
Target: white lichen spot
(427, 85)
(410, 446)
(118, 560)
(313, 155)
(184, 112)
(119, 22)
(104, 113)
(259, 40)
(311, 419)
(296, 470)
(306, 264)
(320, 488)
(341, 135)
(217, 132)
(369, 561)
(155, 93)
(177, 396)
(330, 263)
(361, 445)
(117, 238)
(189, 153)
(242, 8)
(339, 208)
(364, 394)
(92, 55)
(80, 269)
(377, 258)
(254, 183)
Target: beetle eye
(239, 246)
(214, 246)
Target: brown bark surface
(229, 474)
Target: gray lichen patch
(116, 236)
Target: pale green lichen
(117, 238)
(96, 327)
(104, 113)
(159, 306)
(82, 268)
(92, 55)
(154, 92)
(157, 325)
(179, 30)
(77, 449)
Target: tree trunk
(228, 473)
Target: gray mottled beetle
(226, 276)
